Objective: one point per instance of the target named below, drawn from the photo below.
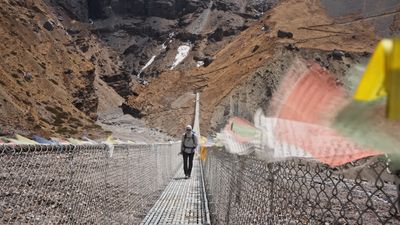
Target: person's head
(188, 129)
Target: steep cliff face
(168, 9)
(147, 34)
(46, 82)
(98, 9)
(76, 8)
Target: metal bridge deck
(182, 202)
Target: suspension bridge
(144, 184)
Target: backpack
(191, 148)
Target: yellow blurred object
(111, 140)
(25, 140)
(382, 77)
(393, 82)
(203, 152)
(74, 141)
(203, 140)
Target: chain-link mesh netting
(83, 184)
(246, 190)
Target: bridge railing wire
(247, 190)
(83, 184)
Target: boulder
(48, 25)
(255, 48)
(284, 34)
(265, 28)
(292, 47)
(217, 35)
(84, 48)
(207, 60)
(133, 49)
(68, 71)
(127, 109)
(73, 31)
(337, 54)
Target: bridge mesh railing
(83, 184)
(246, 190)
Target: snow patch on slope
(183, 52)
(147, 65)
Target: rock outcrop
(119, 82)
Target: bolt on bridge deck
(182, 202)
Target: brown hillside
(162, 102)
(46, 83)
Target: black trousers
(187, 163)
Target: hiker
(188, 147)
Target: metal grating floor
(182, 202)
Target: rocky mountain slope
(48, 84)
(53, 56)
(146, 34)
(66, 61)
(245, 72)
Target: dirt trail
(199, 24)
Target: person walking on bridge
(188, 148)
